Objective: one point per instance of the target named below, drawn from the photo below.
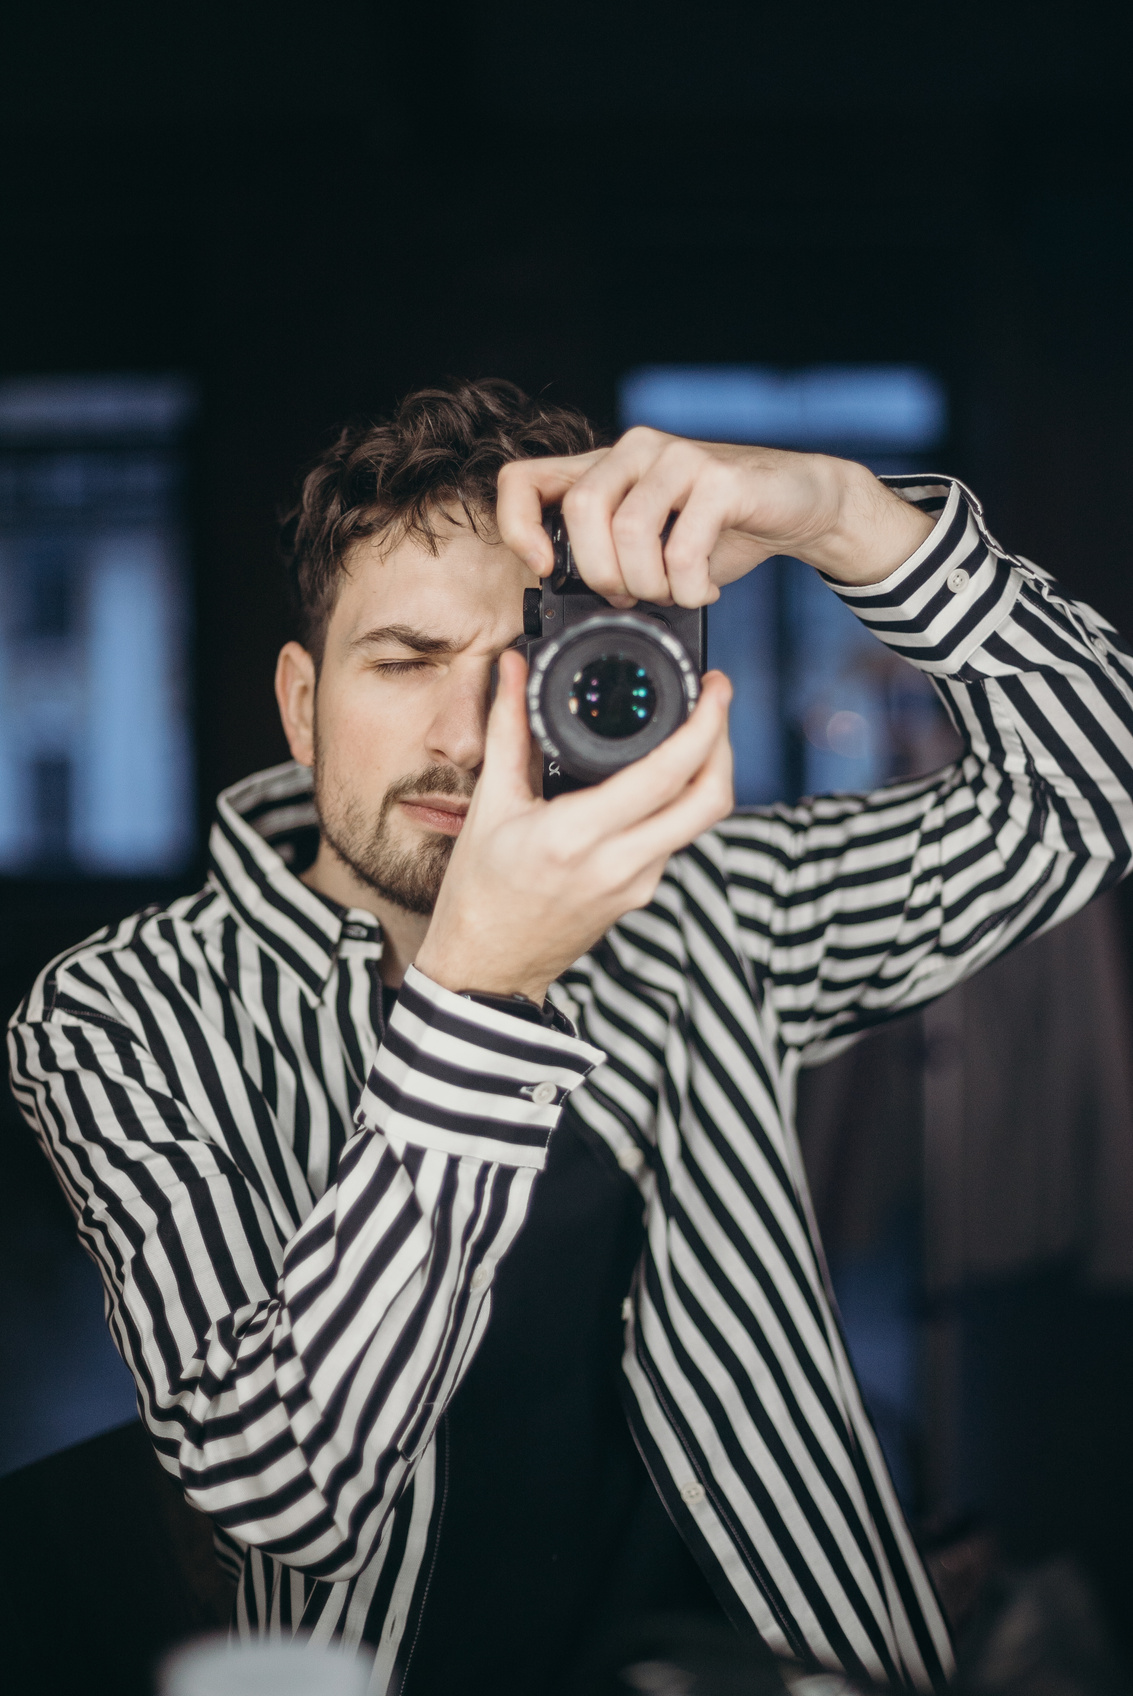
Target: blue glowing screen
(95, 747)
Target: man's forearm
(261, 1367)
(859, 907)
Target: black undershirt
(552, 1533)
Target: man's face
(401, 704)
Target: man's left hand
(736, 506)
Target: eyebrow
(403, 636)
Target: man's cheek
(368, 755)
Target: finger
(636, 528)
(712, 509)
(507, 769)
(654, 781)
(641, 517)
(707, 799)
(523, 489)
(589, 506)
(709, 510)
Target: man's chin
(408, 836)
(404, 864)
(406, 883)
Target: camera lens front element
(613, 696)
(607, 691)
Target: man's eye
(398, 668)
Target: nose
(456, 735)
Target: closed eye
(399, 668)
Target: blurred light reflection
(95, 746)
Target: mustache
(434, 780)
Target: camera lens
(613, 696)
(607, 691)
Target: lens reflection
(613, 696)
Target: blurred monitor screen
(95, 748)
(820, 706)
(861, 409)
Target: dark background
(311, 208)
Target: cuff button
(543, 1094)
(630, 1158)
(958, 579)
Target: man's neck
(403, 932)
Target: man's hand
(735, 505)
(533, 884)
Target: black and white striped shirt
(298, 1219)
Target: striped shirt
(297, 1214)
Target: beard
(409, 877)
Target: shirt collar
(260, 826)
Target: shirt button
(692, 1492)
(627, 1309)
(958, 580)
(630, 1158)
(480, 1277)
(543, 1094)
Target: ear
(295, 693)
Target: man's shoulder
(102, 977)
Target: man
(476, 1337)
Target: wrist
(465, 976)
(874, 532)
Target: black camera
(604, 686)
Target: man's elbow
(303, 1530)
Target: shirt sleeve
(853, 908)
(292, 1383)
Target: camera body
(605, 686)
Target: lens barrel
(608, 690)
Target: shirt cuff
(949, 597)
(456, 1076)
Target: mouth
(445, 813)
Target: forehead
(469, 588)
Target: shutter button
(543, 1094)
(958, 579)
(692, 1492)
(480, 1277)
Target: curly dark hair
(441, 448)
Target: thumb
(507, 744)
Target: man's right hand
(533, 884)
